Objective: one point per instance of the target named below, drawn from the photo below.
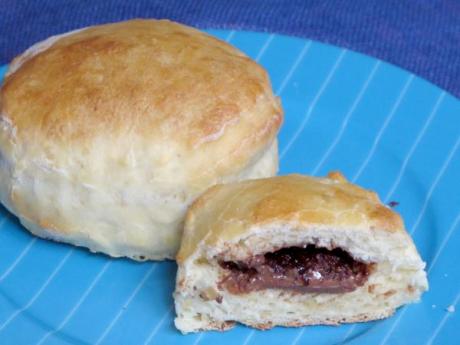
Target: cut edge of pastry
(397, 278)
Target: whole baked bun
(108, 133)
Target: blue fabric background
(421, 36)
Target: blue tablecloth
(421, 36)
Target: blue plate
(384, 128)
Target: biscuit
(108, 133)
(293, 251)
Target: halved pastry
(292, 251)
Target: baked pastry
(108, 133)
(293, 251)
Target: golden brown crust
(227, 212)
(143, 81)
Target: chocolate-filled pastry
(108, 133)
(293, 251)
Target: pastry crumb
(393, 204)
(451, 309)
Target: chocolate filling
(302, 269)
